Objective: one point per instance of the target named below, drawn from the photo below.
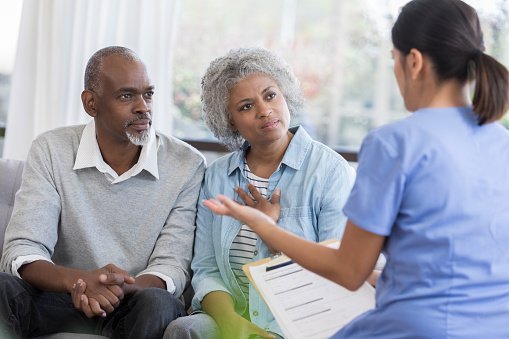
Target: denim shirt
(315, 182)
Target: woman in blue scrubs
(432, 191)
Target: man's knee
(11, 286)
(14, 306)
(7, 278)
(148, 313)
(161, 301)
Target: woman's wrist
(227, 323)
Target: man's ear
(87, 98)
(415, 63)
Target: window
(10, 14)
(340, 51)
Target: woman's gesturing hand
(245, 214)
(272, 208)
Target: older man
(101, 235)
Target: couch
(10, 180)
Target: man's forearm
(149, 280)
(47, 276)
(129, 284)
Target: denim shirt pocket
(300, 221)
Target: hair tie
(476, 53)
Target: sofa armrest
(10, 180)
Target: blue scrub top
(436, 184)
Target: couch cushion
(10, 180)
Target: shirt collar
(294, 155)
(89, 155)
(298, 149)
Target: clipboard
(280, 258)
(304, 304)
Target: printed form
(306, 305)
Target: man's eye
(149, 94)
(271, 96)
(126, 96)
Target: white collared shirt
(89, 155)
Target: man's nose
(142, 106)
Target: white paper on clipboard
(306, 305)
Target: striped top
(243, 247)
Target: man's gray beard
(139, 139)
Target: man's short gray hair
(94, 65)
(224, 72)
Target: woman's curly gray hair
(224, 72)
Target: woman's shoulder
(221, 169)
(394, 134)
(319, 150)
(306, 147)
(322, 160)
(223, 162)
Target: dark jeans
(27, 312)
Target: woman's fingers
(245, 197)
(216, 206)
(276, 196)
(255, 193)
(226, 202)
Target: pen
(279, 265)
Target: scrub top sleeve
(377, 193)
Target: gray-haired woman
(248, 97)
